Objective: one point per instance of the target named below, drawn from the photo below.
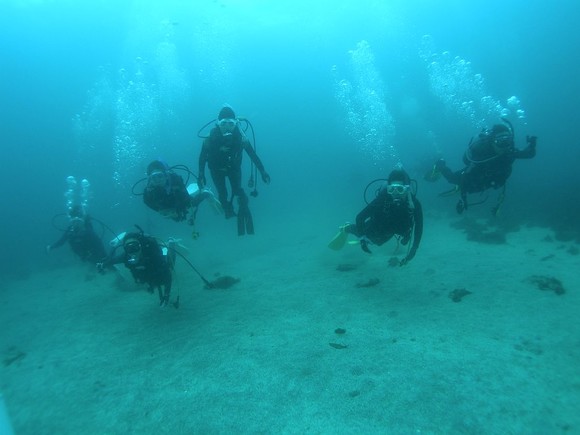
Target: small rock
(458, 294)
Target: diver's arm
(256, 160)
(63, 239)
(112, 259)
(417, 231)
(253, 156)
(527, 153)
(530, 151)
(149, 199)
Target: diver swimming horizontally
(150, 260)
(167, 194)
(488, 164)
(394, 212)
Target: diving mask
(503, 142)
(227, 125)
(157, 179)
(397, 191)
(133, 250)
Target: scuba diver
(167, 194)
(147, 260)
(488, 164)
(222, 151)
(79, 233)
(395, 211)
(150, 262)
(81, 237)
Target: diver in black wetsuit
(149, 262)
(488, 163)
(395, 211)
(166, 194)
(222, 152)
(81, 237)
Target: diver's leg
(235, 177)
(166, 294)
(219, 180)
(448, 174)
(245, 220)
(351, 229)
(241, 218)
(161, 295)
(362, 235)
(165, 289)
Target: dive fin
(249, 221)
(338, 242)
(241, 224)
(245, 221)
(432, 175)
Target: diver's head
(398, 185)
(157, 173)
(76, 217)
(132, 247)
(502, 138)
(227, 121)
(76, 211)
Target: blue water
(341, 89)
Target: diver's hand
(265, 177)
(531, 140)
(100, 267)
(403, 261)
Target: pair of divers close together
(396, 212)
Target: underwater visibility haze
(338, 94)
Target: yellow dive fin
(339, 240)
(432, 175)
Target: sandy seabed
(307, 342)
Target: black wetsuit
(83, 241)
(484, 168)
(223, 155)
(153, 267)
(384, 218)
(171, 200)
